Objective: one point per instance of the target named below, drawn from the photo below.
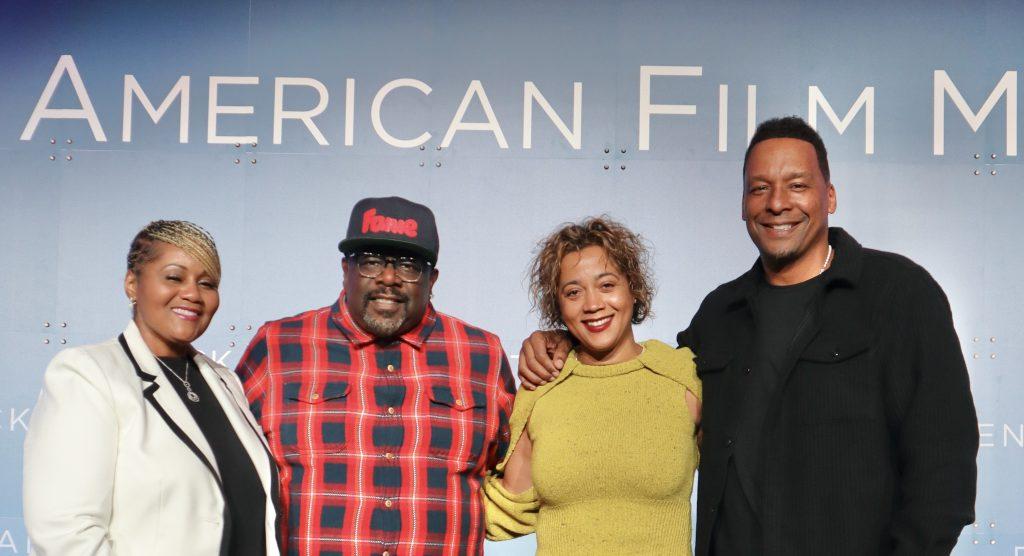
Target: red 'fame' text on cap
(377, 223)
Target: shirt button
(391, 368)
(388, 503)
(385, 553)
(389, 456)
(316, 396)
(391, 411)
(747, 370)
(458, 403)
(728, 442)
(835, 354)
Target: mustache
(385, 292)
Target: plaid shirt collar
(361, 338)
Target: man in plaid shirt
(382, 413)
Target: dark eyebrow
(202, 273)
(787, 177)
(599, 276)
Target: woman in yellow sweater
(603, 456)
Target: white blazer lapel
(230, 395)
(160, 393)
(244, 428)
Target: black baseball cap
(392, 222)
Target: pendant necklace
(192, 396)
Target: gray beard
(383, 328)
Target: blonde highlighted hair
(189, 237)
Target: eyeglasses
(371, 265)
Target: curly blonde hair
(625, 249)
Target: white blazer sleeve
(70, 455)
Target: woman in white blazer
(141, 445)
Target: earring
(131, 301)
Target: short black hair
(789, 127)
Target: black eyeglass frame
(394, 261)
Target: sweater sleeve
(675, 364)
(689, 372)
(509, 515)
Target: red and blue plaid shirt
(381, 447)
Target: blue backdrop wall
(274, 118)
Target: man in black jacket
(838, 416)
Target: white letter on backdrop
(723, 118)
(378, 99)
(42, 110)
(647, 109)
(531, 93)
(983, 434)
(751, 111)
(866, 100)
(350, 104)
(133, 89)
(944, 85)
(215, 109)
(1008, 433)
(475, 89)
(305, 116)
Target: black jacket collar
(845, 269)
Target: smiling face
(596, 306)
(175, 299)
(386, 306)
(786, 203)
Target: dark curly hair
(625, 249)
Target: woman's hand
(542, 356)
(518, 477)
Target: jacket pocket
(314, 417)
(834, 381)
(835, 350)
(458, 423)
(711, 362)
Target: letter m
(866, 100)
(133, 89)
(944, 86)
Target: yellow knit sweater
(613, 459)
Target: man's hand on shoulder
(542, 356)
